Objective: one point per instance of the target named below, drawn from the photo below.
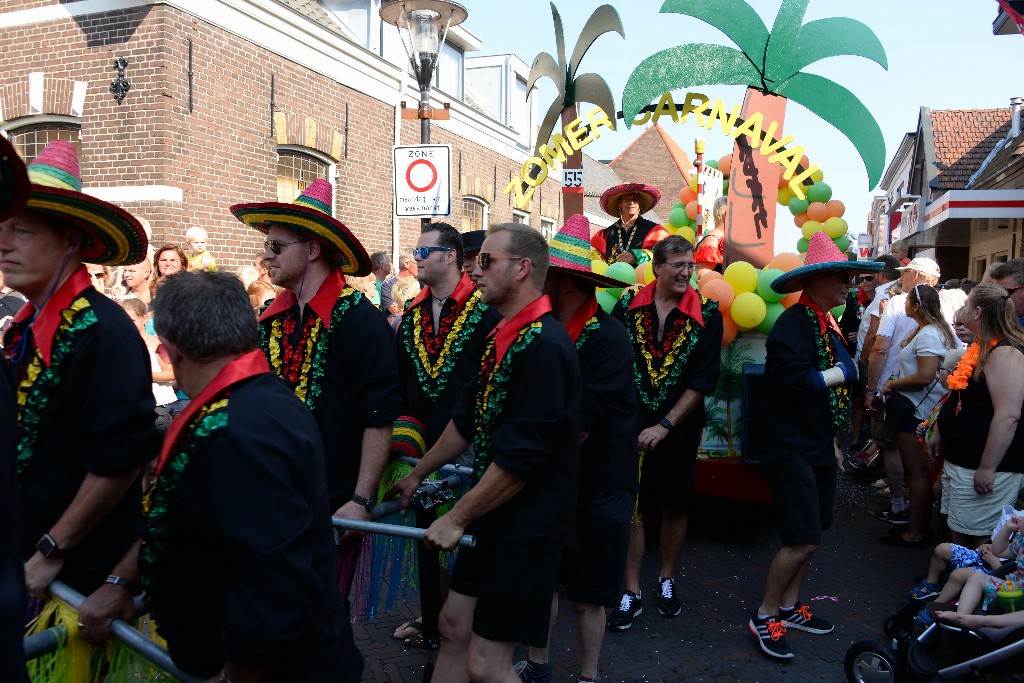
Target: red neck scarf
(322, 302)
(689, 302)
(825, 319)
(463, 290)
(45, 326)
(506, 331)
(575, 326)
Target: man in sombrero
(592, 572)
(86, 421)
(808, 375)
(331, 346)
(631, 237)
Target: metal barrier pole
(43, 642)
(128, 636)
(466, 541)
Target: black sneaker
(668, 603)
(801, 619)
(771, 636)
(901, 518)
(531, 672)
(630, 607)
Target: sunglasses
(485, 258)
(867, 278)
(1011, 290)
(275, 247)
(423, 253)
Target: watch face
(45, 546)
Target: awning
(948, 221)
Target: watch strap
(49, 548)
(665, 423)
(367, 503)
(118, 581)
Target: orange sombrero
(310, 215)
(113, 237)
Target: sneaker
(801, 619)
(630, 607)
(531, 672)
(771, 636)
(901, 518)
(860, 461)
(924, 591)
(881, 484)
(668, 603)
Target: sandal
(409, 629)
(421, 642)
(924, 591)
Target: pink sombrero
(310, 214)
(611, 197)
(570, 253)
(823, 256)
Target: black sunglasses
(422, 253)
(485, 258)
(275, 247)
(1011, 290)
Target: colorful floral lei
(492, 391)
(302, 366)
(434, 355)
(40, 381)
(662, 361)
(156, 505)
(839, 395)
(588, 329)
(958, 379)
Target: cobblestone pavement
(719, 582)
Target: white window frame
(483, 204)
(547, 228)
(522, 216)
(332, 166)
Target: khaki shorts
(883, 432)
(970, 513)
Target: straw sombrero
(13, 180)
(113, 237)
(570, 253)
(650, 196)
(310, 214)
(823, 256)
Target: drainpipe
(395, 237)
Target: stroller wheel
(871, 661)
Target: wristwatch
(665, 423)
(118, 581)
(49, 549)
(367, 503)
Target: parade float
(765, 169)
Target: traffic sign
(423, 180)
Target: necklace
(623, 247)
(957, 380)
(434, 352)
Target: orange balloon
(691, 210)
(707, 277)
(817, 211)
(686, 195)
(782, 179)
(785, 262)
(725, 165)
(790, 299)
(805, 162)
(729, 330)
(720, 291)
(836, 208)
(800, 219)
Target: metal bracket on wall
(431, 113)
(272, 132)
(191, 74)
(121, 85)
(346, 130)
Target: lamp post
(423, 26)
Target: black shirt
(12, 578)
(248, 571)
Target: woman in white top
(917, 390)
(163, 373)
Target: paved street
(721, 578)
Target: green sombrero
(113, 237)
(310, 214)
(570, 253)
(13, 180)
(823, 256)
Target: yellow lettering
(666, 107)
(555, 152)
(751, 128)
(691, 105)
(541, 177)
(789, 159)
(797, 182)
(768, 147)
(522, 198)
(578, 134)
(597, 117)
(718, 112)
(644, 117)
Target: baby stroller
(941, 653)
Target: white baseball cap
(923, 265)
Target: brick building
(250, 100)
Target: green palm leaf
(545, 65)
(841, 108)
(783, 38)
(735, 18)
(684, 66)
(824, 38)
(547, 124)
(559, 37)
(592, 88)
(605, 19)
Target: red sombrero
(310, 214)
(611, 197)
(13, 180)
(113, 237)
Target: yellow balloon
(836, 227)
(647, 273)
(742, 277)
(598, 266)
(748, 310)
(687, 233)
(818, 175)
(693, 183)
(811, 227)
(785, 194)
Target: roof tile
(963, 138)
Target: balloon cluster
(682, 217)
(816, 212)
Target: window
(521, 114)
(520, 217)
(296, 170)
(360, 19)
(474, 214)
(448, 74)
(547, 228)
(30, 140)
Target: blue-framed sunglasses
(424, 252)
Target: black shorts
(883, 431)
(858, 389)
(666, 474)
(513, 583)
(802, 495)
(592, 574)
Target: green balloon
(802, 244)
(713, 163)
(819, 192)
(838, 311)
(606, 300)
(764, 285)
(797, 206)
(725, 186)
(774, 310)
(677, 217)
(843, 242)
(678, 205)
(623, 272)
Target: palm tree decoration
(573, 89)
(722, 428)
(769, 63)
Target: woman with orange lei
(979, 425)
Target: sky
(941, 54)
